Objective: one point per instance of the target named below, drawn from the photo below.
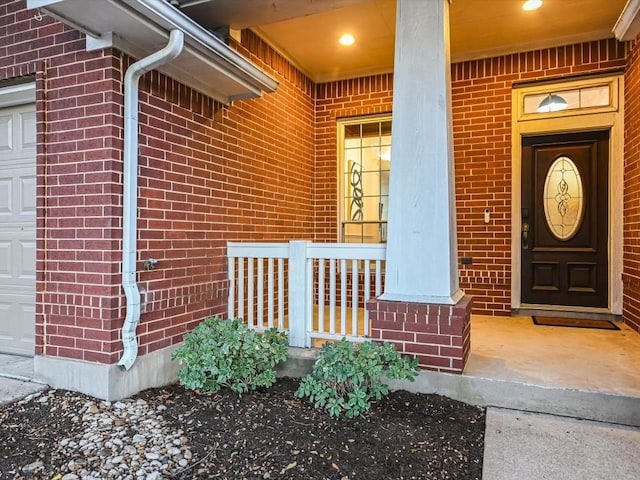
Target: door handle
(525, 236)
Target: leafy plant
(226, 353)
(346, 376)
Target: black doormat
(575, 322)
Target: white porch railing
(310, 290)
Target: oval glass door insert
(563, 198)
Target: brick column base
(439, 336)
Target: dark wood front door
(564, 234)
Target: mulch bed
(271, 434)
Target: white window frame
(342, 207)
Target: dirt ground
(271, 434)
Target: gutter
(130, 191)
(236, 66)
(138, 27)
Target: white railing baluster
(281, 293)
(321, 295)
(270, 307)
(355, 304)
(366, 295)
(378, 278)
(241, 287)
(343, 296)
(250, 293)
(232, 288)
(260, 293)
(332, 296)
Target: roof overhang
(142, 27)
(628, 25)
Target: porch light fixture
(531, 5)
(347, 39)
(552, 103)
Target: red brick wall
(631, 212)
(254, 171)
(212, 174)
(481, 92)
(208, 174)
(334, 101)
(482, 143)
(438, 336)
(78, 168)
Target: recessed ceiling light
(347, 39)
(531, 5)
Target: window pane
(385, 130)
(371, 158)
(531, 102)
(595, 96)
(352, 143)
(365, 163)
(352, 131)
(371, 130)
(572, 97)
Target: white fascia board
(140, 27)
(628, 25)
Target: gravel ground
(170, 433)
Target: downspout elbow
(130, 191)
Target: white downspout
(130, 191)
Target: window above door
(578, 97)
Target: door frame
(609, 117)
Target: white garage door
(17, 228)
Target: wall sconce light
(552, 103)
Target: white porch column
(421, 243)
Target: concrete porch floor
(515, 349)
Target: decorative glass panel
(563, 198)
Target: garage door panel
(27, 194)
(17, 195)
(16, 326)
(17, 259)
(27, 130)
(5, 258)
(6, 196)
(6, 133)
(17, 229)
(26, 270)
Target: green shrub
(226, 353)
(346, 376)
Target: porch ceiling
(307, 30)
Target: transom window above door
(572, 99)
(575, 98)
(364, 162)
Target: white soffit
(628, 25)
(141, 27)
